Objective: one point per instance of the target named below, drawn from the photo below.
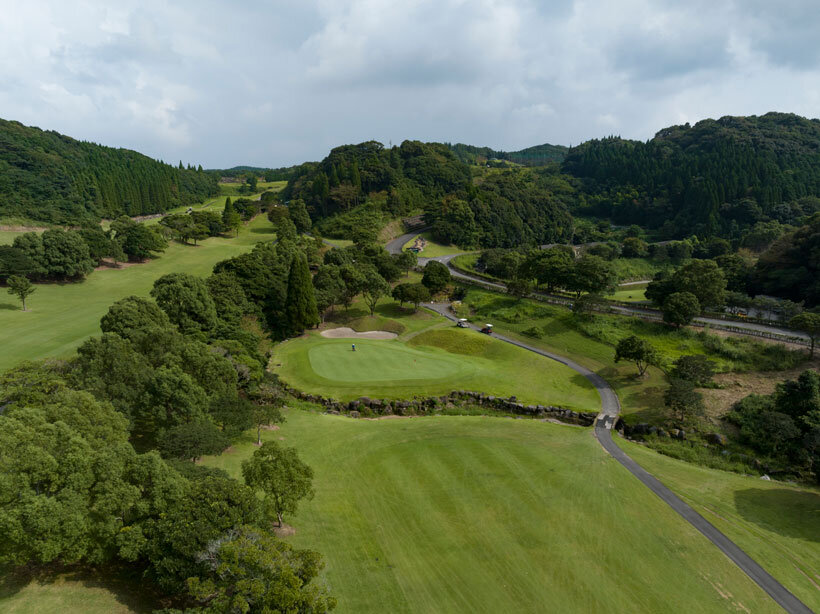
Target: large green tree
(280, 475)
(300, 305)
(809, 323)
(436, 276)
(187, 302)
(374, 288)
(680, 308)
(637, 350)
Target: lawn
(631, 294)
(472, 514)
(432, 359)
(7, 236)
(77, 592)
(432, 248)
(61, 316)
(776, 523)
(551, 328)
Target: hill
(716, 177)
(538, 155)
(359, 187)
(50, 177)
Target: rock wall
(420, 406)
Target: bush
(192, 441)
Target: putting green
(376, 361)
(431, 363)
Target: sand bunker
(348, 333)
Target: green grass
(433, 249)
(471, 514)
(629, 294)
(7, 236)
(432, 362)
(637, 268)
(69, 592)
(61, 316)
(776, 523)
(641, 398)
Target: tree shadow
(787, 512)
(263, 231)
(10, 307)
(125, 585)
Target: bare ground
(735, 386)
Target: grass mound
(455, 341)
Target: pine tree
(230, 217)
(300, 304)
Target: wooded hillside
(716, 177)
(50, 177)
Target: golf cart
(488, 329)
(462, 323)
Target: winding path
(610, 409)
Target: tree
(65, 254)
(411, 293)
(281, 475)
(685, 403)
(187, 302)
(551, 268)
(436, 276)
(248, 570)
(592, 274)
(696, 369)
(704, 279)
(374, 288)
(299, 215)
(230, 217)
(300, 304)
(809, 323)
(138, 241)
(20, 287)
(637, 350)
(634, 247)
(406, 261)
(680, 308)
(519, 287)
(192, 440)
(329, 287)
(131, 314)
(269, 399)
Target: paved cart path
(610, 409)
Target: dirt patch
(284, 530)
(345, 332)
(8, 228)
(735, 386)
(270, 427)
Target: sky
(274, 83)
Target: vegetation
(443, 514)
(53, 178)
(715, 177)
(538, 155)
(20, 287)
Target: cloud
(274, 84)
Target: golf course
(455, 514)
(61, 315)
(434, 359)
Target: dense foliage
(716, 177)
(538, 155)
(54, 178)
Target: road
(610, 409)
(628, 311)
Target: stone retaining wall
(365, 406)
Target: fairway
(429, 362)
(471, 514)
(62, 315)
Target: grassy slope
(432, 363)
(433, 249)
(777, 524)
(61, 316)
(640, 398)
(460, 514)
(630, 294)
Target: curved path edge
(610, 409)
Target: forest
(48, 177)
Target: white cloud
(277, 83)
